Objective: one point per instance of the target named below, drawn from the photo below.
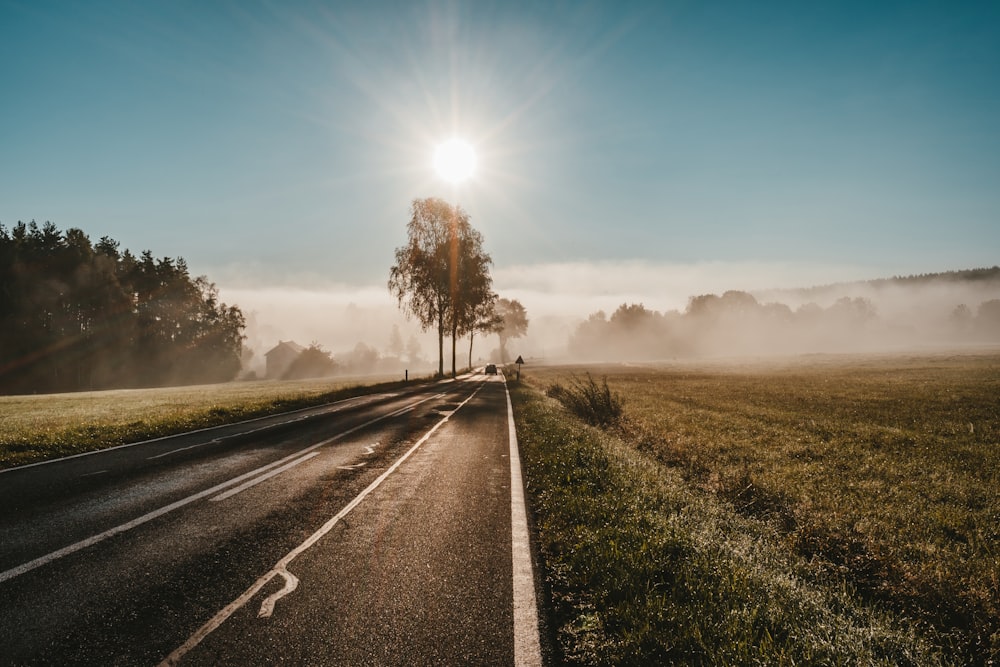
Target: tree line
(735, 323)
(77, 315)
(442, 278)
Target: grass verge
(37, 428)
(644, 569)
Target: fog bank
(784, 318)
(947, 310)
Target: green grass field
(38, 427)
(870, 482)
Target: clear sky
(281, 143)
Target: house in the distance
(280, 358)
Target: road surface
(381, 530)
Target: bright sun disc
(455, 160)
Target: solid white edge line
(527, 643)
(280, 568)
(100, 537)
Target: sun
(455, 160)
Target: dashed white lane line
(281, 568)
(527, 643)
(100, 537)
(253, 482)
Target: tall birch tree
(442, 273)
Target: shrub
(594, 403)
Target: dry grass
(880, 474)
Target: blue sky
(281, 143)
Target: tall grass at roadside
(642, 569)
(880, 475)
(39, 427)
(592, 402)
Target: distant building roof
(280, 358)
(285, 346)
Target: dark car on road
(491, 369)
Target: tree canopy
(442, 275)
(76, 315)
(511, 322)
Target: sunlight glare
(455, 160)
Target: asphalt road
(380, 530)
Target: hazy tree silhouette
(413, 351)
(74, 315)
(733, 323)
(484, 320)
(988, 316)
(396, 346)
(442, 273)
(312, 362)
(513, 323)
(474, 296)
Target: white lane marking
(184, 449)
(370, 449)
(352, 467)
(91, 474)
(94, 539)
(267, 606)
(100, 537)
(281, 568)
(216, 441)
(527, 644)
(253, 482)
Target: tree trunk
(440, 345)
(454, 336)
(471, 336)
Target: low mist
(938, 311)
(634, 312)
(361, 331)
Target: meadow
(823, 509)
(44, 426)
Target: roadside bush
(595, 403)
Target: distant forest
(76, 315)
(932, 309)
